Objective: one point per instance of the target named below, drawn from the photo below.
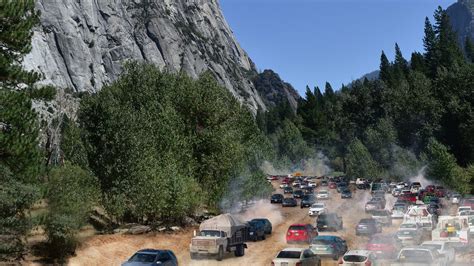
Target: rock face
(274, 90)
(82, 44)
(461, 16)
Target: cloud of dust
(314, 166)
(263, 209)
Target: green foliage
(72, 193)
(168, 145)
(288, 142)
(72, 146)
(46, 93)
(359, 161)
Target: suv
(382, 216)
(368, 227)
(332, 246)
(317, 209)
(298, 194)
(298, 233)
(256, 230)
(373, 205)
(153, 257)
(329, 221)
(277, 198)
(307, 200)
(289, 202)
(420, 255)
(267, 225)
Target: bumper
(204, 252)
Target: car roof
(151, 251)
(419, 247)
(326, 237)
(434, 242)
(362, 252)
(293, 249)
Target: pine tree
(16, 21)
(385, 68)
(429, 43)
(417, 62)
(447, 45)
(20, 158)
(401, 63)
(469, 49)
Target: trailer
(452, 229)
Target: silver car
(295, 257)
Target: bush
(72, 193)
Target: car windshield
(210, 233)
(408, 226)
(379, 213)
(289, 254)
(398, 208)
(317, 206)
(322, 192)
(354, 258)
(143, 257)
(297, 227)
(436, 246)
(415, 256)
(321, 241)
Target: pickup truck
(419, 256)
(223, 233)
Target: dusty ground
(115, 249)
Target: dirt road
(115, 249)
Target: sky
(309, 42)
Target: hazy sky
(309, 42)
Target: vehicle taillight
(273, 263)
(368, 263)
(340, 261)
(298, 263)
(289, 233)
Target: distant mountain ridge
(462, 18)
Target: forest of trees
(154, 147)
(419, 112)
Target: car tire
(220, 254)
(240, 251)
(263, 237)
(193, 255)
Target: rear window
(354, 258)
(415, 256)
(436, 246)
(410, 226)
(406, 233)
(143, 257)
(289, 255)
(367, 221)
(297, 227)
(379, 213)
(323, 242)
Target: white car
(401, 185)
(463, 209)
(317, 209)
(455, 198)
(297, 183)
(312, 184)
(295, 257)
(284, 185)
(442, 248)
(322, 194)
(357, 258)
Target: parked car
(331, 246)
(396, 192)
(409, 226)
(296, 257)
(373, 205)
(256, 230)
(277, 198)
(346, 194)
(398, 210)
(307, 200)
(317, 209)
(341, 186)
(443, 248)
(312, 184)
(419, 255)
(298, 194)
(153, 257)
(357, 258)
(383, 246)
(308, 191)
(288, 190)
(382, 216)
(267, 225)
(289, 202)
(284, 185)
(361, 181)
(368, 226)
(408, 237)
(322, 194)
(329, 221)
(300, 233)
(381, 199)
(455, 198)
(332, 185)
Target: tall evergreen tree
(400, 63)
(385, 68)
(429, 43)
(469, 49)
(20, 158)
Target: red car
(301, 233)
(440, 191)
(332, 185)
(408, 197)
(430, 188)
(383, 246)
